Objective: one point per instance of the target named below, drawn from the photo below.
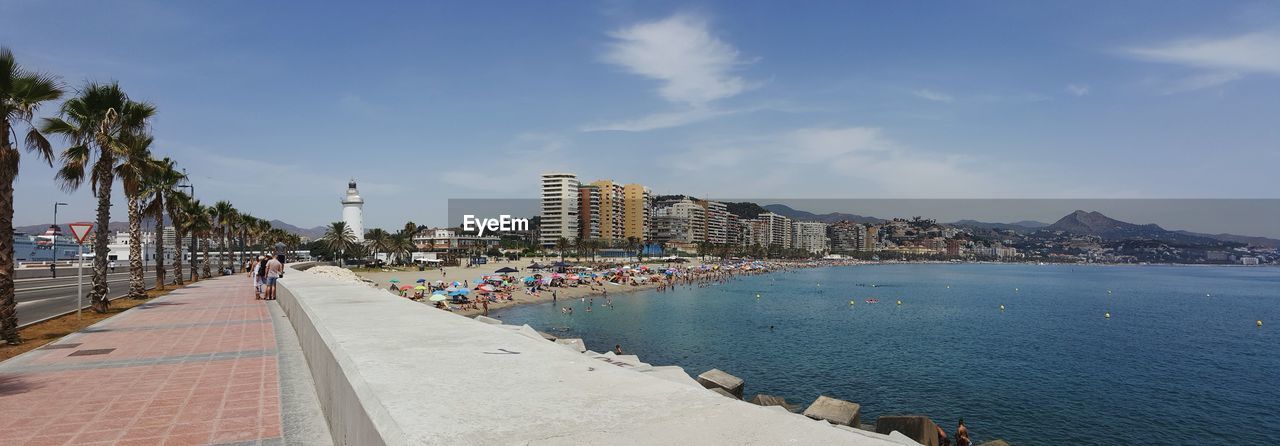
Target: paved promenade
(202, 365)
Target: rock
(724, 392)
(547, 336)
(919, 428)
(996, 442)
(573, 343)
(834, 411)
(770, 400)
(717, 378)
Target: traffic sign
(80, 231)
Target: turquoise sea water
(1180, 361)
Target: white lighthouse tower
(353, 211)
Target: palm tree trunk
(160, 245)
(8, 303)
(137, 288)
(226, 248)
(204, 243)
(177, 260)
(98, 294)
(195, 275)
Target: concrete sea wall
(392, 371)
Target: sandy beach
(382, 279)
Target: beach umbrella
(438, 297)
(406, 287)
(422, 280)
(461, 292)
(529, 279)
(395, 280)
(507, 270)
(485, 287)
(451, 289)
(440, 282)
(419, 288)
(457, 283)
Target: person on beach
(617, 349)
(962, 435)
(942, 436)
(274, 270)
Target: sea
(1181, 358)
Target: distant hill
(833, 217)
(745, 209)
(312, 233)
(1261, 242)
(1096, 224)
(1019, 226)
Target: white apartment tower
(559, 207)
(353, 211)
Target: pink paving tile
(192, 402)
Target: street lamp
(193, 238)
(54, 269)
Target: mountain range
(794, 214)
(312, 233)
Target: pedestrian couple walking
(265, 271)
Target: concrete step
(675, 374)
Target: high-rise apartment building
(611, 211)
(637, 208)
(810, 236)
(847, 236)
(588, 212)
(559, 208)
(717, 221)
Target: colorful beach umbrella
(395, 280)
(438, 297)
(405, 287)
(419, 288)
(422, 280)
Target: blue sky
(274, 105)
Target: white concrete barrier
(392, 371)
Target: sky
(275, 105)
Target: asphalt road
(44, 297)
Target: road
(44, 297)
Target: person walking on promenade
(112, 265)
(274, 270)
(962, 435)
(259, 274)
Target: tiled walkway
(198, 366)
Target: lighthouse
(353, 211)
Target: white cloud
(1222, 60)
(661, 120)
(1078, 89)
(933, 95)
(848, 161)
(694, 66)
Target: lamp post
(54, 268)
(193, 238)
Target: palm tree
(158, 193)
(379, 240)
(410, 229)
(135, 166)
(178, 204)
(223, 216)
(561, 245)
(402, 243)
(21, 92)
(244, 224)
(95, 122)
(339, 239)
(633, 244)
(195, 224)
(203, 231)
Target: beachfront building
(810, 236)
(847, 236)
(637, 208)
(588, 212)
(559, 208)
(717, 221)
(679, 222)
(872, 240)
(770, 229)
(453, 242)
(353, 211)
(611, 211)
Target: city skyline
(862, 101)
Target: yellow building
(611, 211)
(636, 206)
